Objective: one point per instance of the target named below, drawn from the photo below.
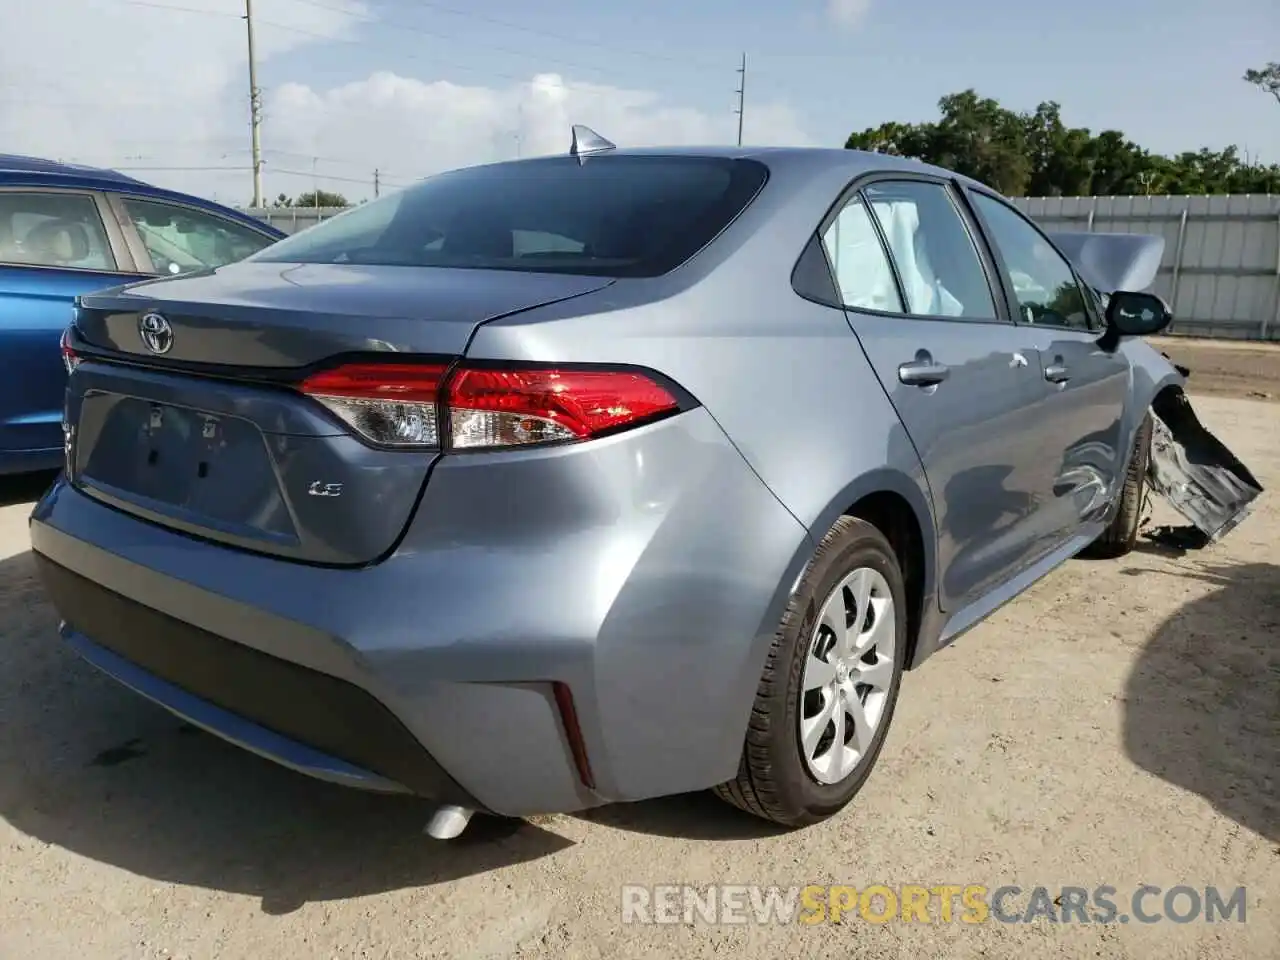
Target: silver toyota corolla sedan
(592, 478)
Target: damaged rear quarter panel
(1189, 467)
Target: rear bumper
(646, 573)
(307, 720)
(232, 727)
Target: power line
(271, 151)
(399, 25)
(180, 9)
(196, 169)
(683, 62)
(241, 169)
(341, 161)
(523, 28)
(255, 90)
(577, 89)
(414, 28)
(139, 163)
(377, 179)
(322, 176)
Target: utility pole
(255, 108)
(377, 183)
(742, 95)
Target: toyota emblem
(156, 333)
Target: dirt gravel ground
(1119, 725)
(1227, 368)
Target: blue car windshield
(619, 216)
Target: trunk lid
(279, 315)
(209, 437)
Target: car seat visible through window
(927, 293)
(60, 243)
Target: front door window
(1042, 280)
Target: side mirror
(1132, 314)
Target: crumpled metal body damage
(1189, 467)
(1195, 472)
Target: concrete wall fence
(1221, 268)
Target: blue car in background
(67, 230)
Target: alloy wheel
(848, 673)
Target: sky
(408, 88)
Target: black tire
(1121, 535)
(773, 780)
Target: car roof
(19, 170)
(780, 159)
(16, 163)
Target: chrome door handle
(1056, 373)
(923, 373)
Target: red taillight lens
(69, 358)
(503, 408)
(392, 404)
(395, 404)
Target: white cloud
(102, 81)
(848, 13)
(112, 83)
(412, 128)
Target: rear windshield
(617, 216)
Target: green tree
(1039, 154)
(1119, 166)
(898, 139)
(1061, 162)
(979, 138)
(320, 198)
(1267, 79)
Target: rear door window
(53, 230)
(625, 216)
(939, 266)
(858, 262)
(180, 239)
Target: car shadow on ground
(88, 766)
(691, 816)
(1202, 704)
(24, 487)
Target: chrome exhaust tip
(448, 822)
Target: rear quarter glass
(615, 216)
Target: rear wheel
(1121, 535)
(830, 684)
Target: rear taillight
(484, 408)
(390, 404)
(69, 358)
(503, 408)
